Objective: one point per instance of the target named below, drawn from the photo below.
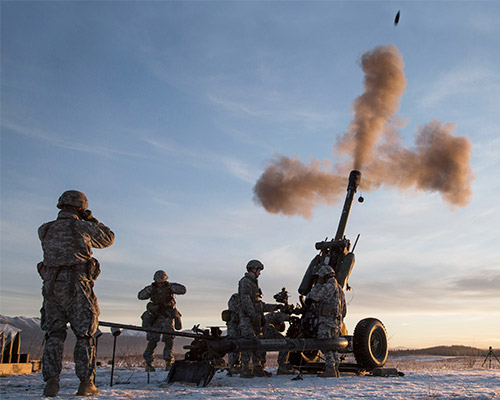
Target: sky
(166, 114)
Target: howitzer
(336, 251)
(208, 348)
(369, 341)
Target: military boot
(51, 387)
(246, 372)
(260, 371)
(168, 365)
(87, 388)
(149, 368)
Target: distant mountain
(441, 351)
(129, 345)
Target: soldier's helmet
(73, 198)
(255, 264)
(160, 276)
(325, 271)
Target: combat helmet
(325, 271)
(160, 276)
(73, 198)
(255, 264)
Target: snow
(131, 383)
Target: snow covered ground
(131, 383)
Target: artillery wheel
(370, 344)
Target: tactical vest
(162, 295)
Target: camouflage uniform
(274, 324)
(161, 314)
(233, 331)
(329, 304)
(68, 272)
(251, 315)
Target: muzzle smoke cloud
(438, 162)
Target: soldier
(161, 313)
(68, 272)
(252, 310)
(232, 319)
(327, 299)
(274, 325)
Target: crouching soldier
(328, 301)
(161, 313)
(232, 320)
(274, 325)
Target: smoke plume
(438, 162)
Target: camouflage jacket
(162, 296)
(276, 320)
(251, 304)
(69, 240)
(329, 300)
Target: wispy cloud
(205, 159)
(71, 144)
(461, 81)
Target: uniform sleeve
(267, 307)
(42, 231)
(177, 288)
(246, 304)
(316, 293)
(101, 236)
(145, 293)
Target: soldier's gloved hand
(86, 215)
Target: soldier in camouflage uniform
(274, 325)
(161, 313)
(327, 299)
(68, 272)
(252, 310)
(232, 319)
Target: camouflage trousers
(69, 299)
(164, 323)
(326, 330)
(272, 333)
(248, 330)
(233, 359)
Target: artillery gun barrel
(154, 330)
(285, 344)
(354, 180)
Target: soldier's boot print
(51, 387)
(87, 388)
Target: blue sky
(166, 113)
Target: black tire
(370, 344)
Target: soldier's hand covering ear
(86, 215)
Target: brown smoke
(290, 187)
(385, 83)
(439, 162)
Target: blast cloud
(438, 162)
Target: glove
(86, 215)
